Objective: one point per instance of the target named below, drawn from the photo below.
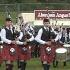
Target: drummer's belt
(12, 51)
(48, 50)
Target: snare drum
(61, 54)
(67, 46)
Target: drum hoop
(61, 50)
(66, 45)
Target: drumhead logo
(41, 14)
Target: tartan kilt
(6, 55)
(24, 55)
(1, 60)
(45, 56)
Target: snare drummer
(62, 39)
(63, 35)
(23, 48)
(9, 51)
(43, 37)
(1, 47)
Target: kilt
(1, 60)
(24, 55)
(6, 55)
(45, 56)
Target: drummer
(63, 35)
(61, 40)
(1, 47)
(9, 52)
(0, 37)
(24, 52)
(43, 37)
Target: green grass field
(35, 64)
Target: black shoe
(64, 64)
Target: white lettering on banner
(61, 15)
(45, 15)
(42, 15)
(52, 14)
(69, 14)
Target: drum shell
(67, 46)
(61, 56)
(68, 53)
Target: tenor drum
(61, 54)
(67, 46)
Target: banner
(60, 14)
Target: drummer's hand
(48, 43)
(27, 40)
(17, 39)
(52, 40)
(25, 43)
(13, 42)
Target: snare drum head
(66, 45)
(61, 50)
